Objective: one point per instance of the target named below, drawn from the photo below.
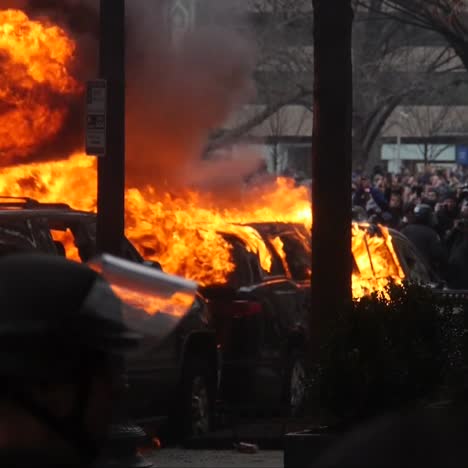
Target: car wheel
(296, 385)
(198, 396)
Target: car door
(153, 373)
(280, 300)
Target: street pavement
(180, 458)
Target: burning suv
(259, 316)
(260, 312)
(175, 378)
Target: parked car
(176, 379)
(260, 317)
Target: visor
(154, 302)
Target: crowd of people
(430, 208)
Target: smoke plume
(177, 94)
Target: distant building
(423, 129)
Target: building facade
(429, 125)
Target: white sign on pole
(96, 112)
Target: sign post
(107, 128)
(96, 115)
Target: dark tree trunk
(111, 167)
(331, 168)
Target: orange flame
(66, 239)
(278, 245)
(184, 232)
(376, 261)
(34, 59)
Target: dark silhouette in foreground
(431, 437)
(61, 363)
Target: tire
(296, 385)
(198, 399)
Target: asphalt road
(179, 458)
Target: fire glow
(180, 230)
(34, 84)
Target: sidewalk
(180, 458)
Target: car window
(72, 238)
(42, 235)
(16, 236)
(244, 264)
(65, 245)
(20, 229)
(297, 258)
(415, 269)
(277, 267)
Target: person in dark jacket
(421, 233)
(365, 193)
(395, 211)
(62, 337)
(447, 214)
(457, 276)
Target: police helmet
(60, 322)
(423, 214)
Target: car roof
(25, 207)
(56, 213)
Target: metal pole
(111, 166)
(125, 437)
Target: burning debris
(182, 228)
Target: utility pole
(111, 165)
(331, 170)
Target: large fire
(182, 231)
(34, 61)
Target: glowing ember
(34, 59)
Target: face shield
(154, 302)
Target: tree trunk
(331, 169)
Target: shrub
(393, 349)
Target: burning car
(260, 312)
(259, 315)
(174, 378)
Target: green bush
(392, 350)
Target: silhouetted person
(420, 231)
(61, 364)
(457, 276)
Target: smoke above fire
(181, 88)
(178, 93)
